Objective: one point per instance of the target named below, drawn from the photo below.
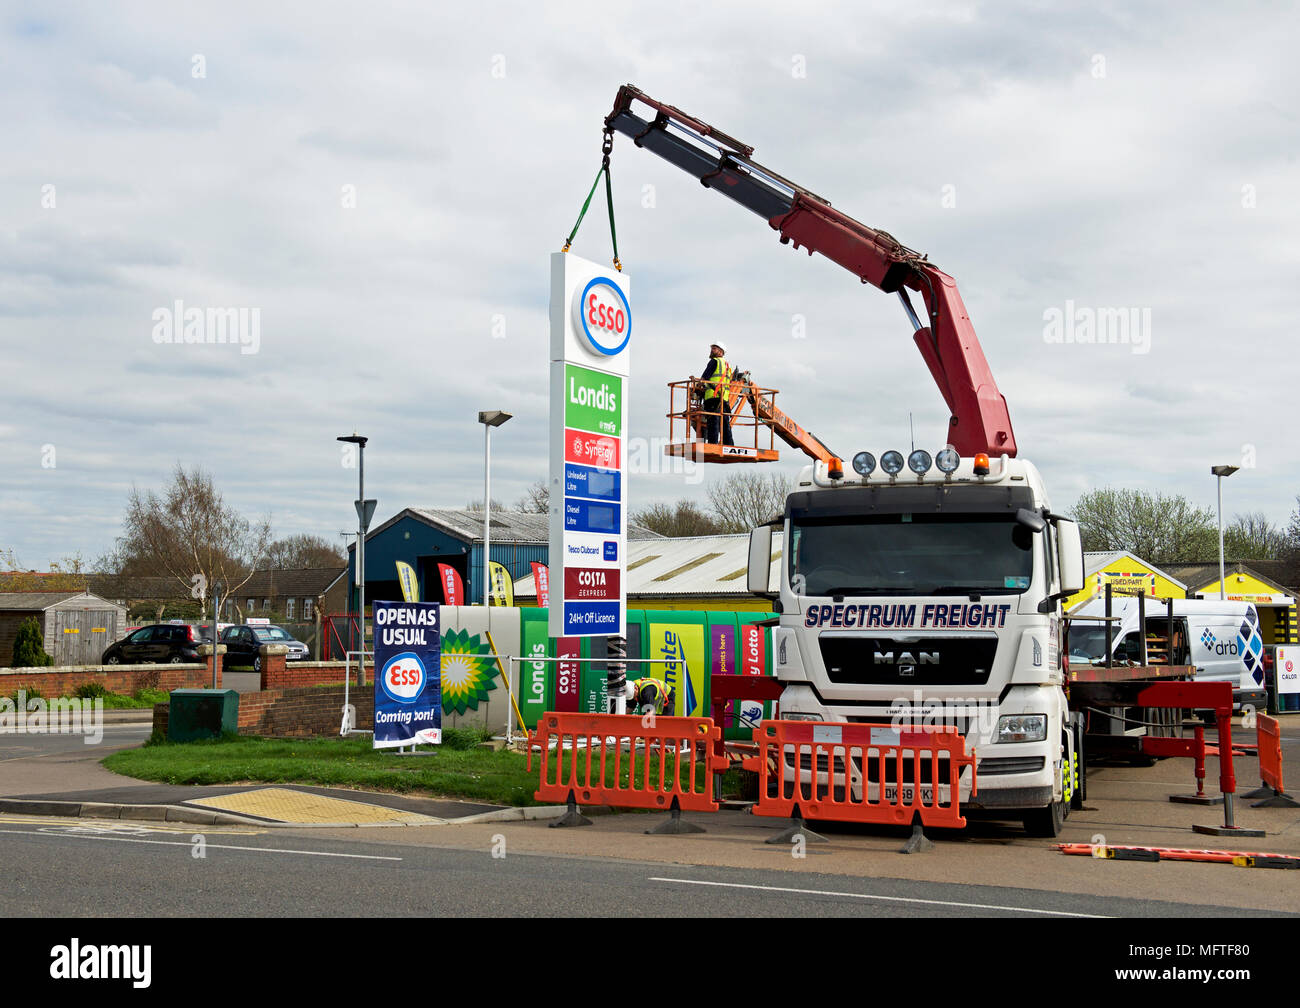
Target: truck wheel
(1045, 822)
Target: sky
(380, 187)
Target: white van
(1221, 639)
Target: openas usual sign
(602, 315)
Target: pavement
(1126, 805)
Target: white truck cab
(932, 595)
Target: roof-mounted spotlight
(920, 462)
(892, 462)
(947, 460)
(864, 463)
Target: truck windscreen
(911, 554)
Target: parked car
(243, 644)
(160, 642)
(203, 631)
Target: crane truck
(919, 589)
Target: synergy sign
(591, 326)
(408, 658)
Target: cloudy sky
(384, 185)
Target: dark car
(243, 644)
(161, 642)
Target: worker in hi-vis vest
(646, 696)
(717, 396)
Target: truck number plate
(892, 794)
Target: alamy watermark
(24, 715)
(1098, 326)
(178, 324)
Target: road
(249, 872)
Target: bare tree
(1253, 537)
(746, 499)
(189, 535)
(299, 551)
(681, 519)
(536, 499)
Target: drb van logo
(1216, 646)
(603, 316)
(403, 678)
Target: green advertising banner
(593, 401)
(536, 679)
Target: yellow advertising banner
(410, 586)
(503, 587)
(682, 646)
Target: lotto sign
(1287, 665)
(408, 656)
(591, 329)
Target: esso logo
(603, 316)
(403, 677)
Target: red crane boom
(948, 344)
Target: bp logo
(403, 678)
(468, 671)
(603, 317)
(1250, 645)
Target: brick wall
(292, 713)
(123, 679)
(295, 674)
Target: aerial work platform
(756, 422)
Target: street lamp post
(489, 419)
(365, 510)
(1221, 471)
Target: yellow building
(1243, 583)
(1129, 574)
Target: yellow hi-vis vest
(720, 383)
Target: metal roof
(696, 565)
(507, 526)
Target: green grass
(499, 778)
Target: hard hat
(630, 690)
(721, 346)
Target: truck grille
(915, 662)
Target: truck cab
(930, 595)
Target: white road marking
(211, 846)
(887, 899)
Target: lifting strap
(606, 147)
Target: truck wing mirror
(760, 560)
(1069, 549)
(1033, 522)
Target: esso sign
(602, 317)
(403, 677)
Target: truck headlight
(1021, 728)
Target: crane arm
(979, 420)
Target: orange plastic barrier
(860, 773)
(1269, 733)
(1242, 859)
(628, 761)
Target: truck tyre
(1045, 822)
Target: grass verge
(499, 778)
